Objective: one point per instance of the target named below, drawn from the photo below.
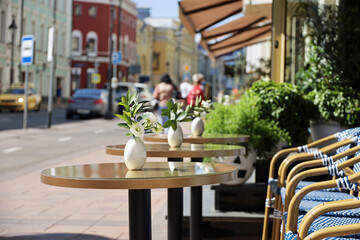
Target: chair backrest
(356, 167)
(346, 134)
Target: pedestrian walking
(163, 92)
(185, 88)
(196, 90)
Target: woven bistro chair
(330, 233)
(273, 189)
(333, 218)
(301, 157)
(306, 148)
(315, 198)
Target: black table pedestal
(196, 209)
(175, 210)
(140, 214)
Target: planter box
(248, 197)
(321, 129)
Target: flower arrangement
(175, 114)
(137, 119)
(201, 107)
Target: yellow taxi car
(13, 99)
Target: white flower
(206, 104)
(137, 129)
(158, 128)
(150, 118)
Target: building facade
(144, 45)
(35, 18)
(174, 50)
(93, 23)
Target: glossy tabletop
(206, 138)
(153, 175)
(186, 150)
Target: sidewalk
(32, 210)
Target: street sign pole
(25, 119)
(50, 58)
(27, 58)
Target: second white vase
(175, 138)
(135, 154)
(197, 127)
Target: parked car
(13, 99)
(121, 90)
(87, 102)
(144, 91)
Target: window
(42, 37)
(33, 28)
(126, 46)
(63, 44)
(120, 44)
(1, 80)
(3, 26)
(24, 30)
(114, 41)
(76, 43)
(60, 44)
(78, 10)
(92, 11)
(65, 6)
(91, 44)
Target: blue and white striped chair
(337, 217)
(307, 153)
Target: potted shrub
(286, 105)
(336, 106)
(244, 118)
(331, 76)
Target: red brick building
(90, 40)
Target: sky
(160, 8)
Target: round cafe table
(175, 195)
(196, 192)
(138, 183)
(207, 138)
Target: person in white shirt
(185, 88)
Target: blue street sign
(116, 58)
(27, 50)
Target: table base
(140, 214)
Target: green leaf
(182, 116)
(123, 125)
(165, 113)
(167, 124)
(129, 134)
(137, 108)
(170, 104)
(188, 119)
(173, 125)
(122, 117)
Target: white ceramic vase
(175, 138)
(135, 154)
(197, 127)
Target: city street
(21, 148)
(32, 210)
(14, 120)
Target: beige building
(144, 48)
(164, 46)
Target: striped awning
(220, 37)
